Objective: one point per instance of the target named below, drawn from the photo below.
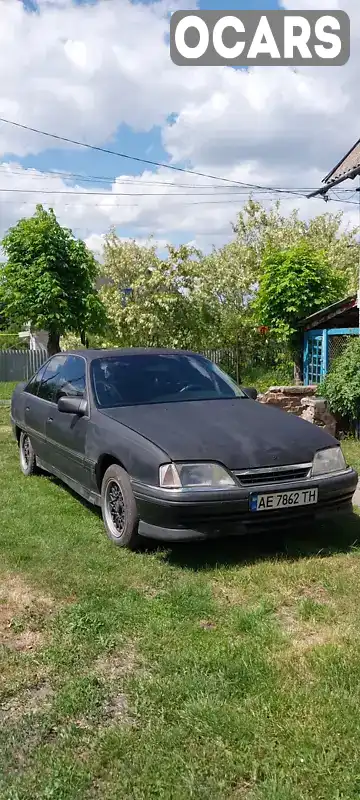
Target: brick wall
(301, 401)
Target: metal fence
(19, 365)
(228, 360)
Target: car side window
(50, 380)
(34, 383)
(72, 380)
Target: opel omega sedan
(171, 448)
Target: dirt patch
(229, 594)
(114, 712)
(113, 668)
(309, 639)
(119, 663)
(29, 701)
(314, 592)
(117, 711)
(242, 791)
(150, 592)
(207, 625)
(306, 635)
(23, 612)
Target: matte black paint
(239, 433)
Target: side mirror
(251, 393)
(72, 405)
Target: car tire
(27, 456)
(118, 508)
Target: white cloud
(82, 70)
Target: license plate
(294, 499)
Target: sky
(100, 72)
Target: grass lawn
(228, 671)
(6, 389)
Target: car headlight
(327, 461)
(186, 476)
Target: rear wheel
(118, 508)
(27, 455)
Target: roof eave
(329, 311)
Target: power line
(99, 149)
(73, 195)
(33, 173)
(74, 192)
(117, 180)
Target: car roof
(91, 355)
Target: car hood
(240, 433)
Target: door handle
(27, 408)
(50, 419)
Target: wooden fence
(19, 365)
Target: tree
(152, 301)
(295, 283)
(229, 277)
(259, 229)
(49, 279)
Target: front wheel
(118, 508)
(27, 455)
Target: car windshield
(142, 379)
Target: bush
(264, 377)
(341, 387)
(11, 341)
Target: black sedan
(171, 448)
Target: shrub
(341, 387)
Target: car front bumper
(204, 514)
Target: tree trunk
(84, 340)
(297, 373)
(53, 345)
(297, 356)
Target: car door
(37, 403)
(66, 433)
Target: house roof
(347, 168)
(349, 163)
(330, 311)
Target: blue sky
(146, 144)
(64, 75)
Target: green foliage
(152, 301)
(341, 387)
(11, 341)
(259, 229)
(184, 299)
(48, 278)
(263, 377)
(294, 283)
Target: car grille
(273, 475)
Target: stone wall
(301, 401)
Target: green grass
(262, 378)
(351, 449)
(6, 389)
(228, 670)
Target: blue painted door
(315, 356)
